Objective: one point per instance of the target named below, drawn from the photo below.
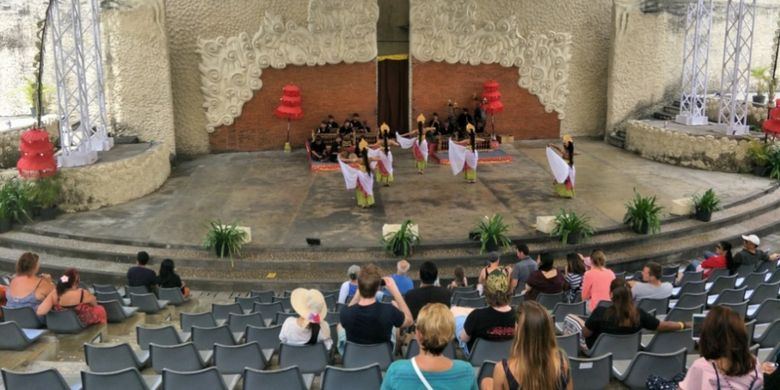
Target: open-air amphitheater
(167, 119)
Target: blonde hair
(436, 326)
(535, 354)
(598, 258)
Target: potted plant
(643, 214)
(45, 194)
(571, 227)
(225, 240)
(760, 74)
(402, 241)
(705, 204)
(758, 153)
(14, 203)
(492, 233)
(773, 163)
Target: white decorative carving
(337, 31)
(450, 30)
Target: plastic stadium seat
(549, 300)
(569, 343)
(310, 359)
(24, 316)
(666, 342)
(621, 346)
(127, 379)
(591, 373)
(205, 338)
(265, 296)
(268, 338)
(221, 311)
(771, 336)
(107, 358)
(644, 364)
(182, 357)
(414, 349)
(147, 303)
(64, 321)
(359, 378)
(232, 359)
(268, 310)
(105, 296)
(204, 320)
(239, 322)
(660, 305)
(15, 338)
(173, 295)
(287, 378)
(49, 379)
(357, 355)
(475, 303)
(207, 378)
(115, 312)
(166, 335)
(684, 314)
(489, 350)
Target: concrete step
(663, 116)
(671, 110)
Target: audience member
(349, 288)
(720, 259)
(140, 275)
(336, 147)
(333, 126)
(522, 269)
(725, 355)
(535, 361)
(322, 129)
(495, 322)
(403, 282)
(318, 149)
(427, 292)
(493, 267)
(357, 124)
(346, 129)
(434, 331)
(595, 282)
(168, 278)
(651, 286)
(459, 279)
(27, 288)
(750, 254)
(547, 279)
(575, 269)
(367, 321)
(69, 295)
(310, 326)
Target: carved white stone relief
(337, 31)
(450, 31)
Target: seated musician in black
(436, 124)
(357, 124)
(323, 129)
(335, 149)
(318, 149)
(346, 129)
(464, 119)
(333, 126)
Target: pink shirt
(595, 286)
(701, 375)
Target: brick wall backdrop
(339, 90)
(523, 117)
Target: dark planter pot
(643, 228)
(759, 99)
(218, 250)
(703, 215)
(398, 250)
(573, 238)
(491, 246)
(36, 211)
(761, 171)
(48, 213)
(5, 226)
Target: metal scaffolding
(695, 59)
(79, 76)
(735, 74)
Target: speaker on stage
(313, 241)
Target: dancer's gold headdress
(421, 118)
(363, 145)
(384, 128)
(470, 128)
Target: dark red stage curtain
(393, 96)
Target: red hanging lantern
(492, 97)
(37, 159)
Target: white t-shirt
(293, 334)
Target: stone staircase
(668, 112)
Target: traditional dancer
(561, 162)
(382, 157)
(359, 179)
(465, 157)
(419, 146)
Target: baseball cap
(752, 238)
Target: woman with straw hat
(310, 326)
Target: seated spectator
(494, 266)
(357, 124)
(346, 129)
(459, 279)
(27, 289)
(69, 295)
(535, 361)
(434, 332)
(651, 286)
(318, 149)
(169, 279)
(336, 147)
(547, 279)
(333, 126)
(575, 269)
(720, 259)
(621, 317)
(349, 288)
(595, 282)
(725, 355)
(310, 326)
(403, 282)
(323, 129)
(427, 292)
(750, 254)
(522, 269)
(367, 321)
(495, 322)
(140, 275)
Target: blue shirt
(403, 282)
(401, 375)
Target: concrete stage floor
(276, 195)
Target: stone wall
(712, 153)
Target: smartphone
(698, 320)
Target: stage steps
(668, 112)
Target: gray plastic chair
(221, 311)
(104, 288)
(485, 371)
(267, 337)
(752, 280)
(205, 379)
(691, 288)
(476, 302)
(147, 303)
(684, 314)
(549, 300)
(745, 269)
(771, 335)
(763, 292)
(49, 379)
(115, 312)
(127, 379)
(232, 359)
(562, 309)
(665, 365)
(268, 310)
(722, 283)
(739, 308)
(489, 350)
(591, 373)
(238, 322)
(286, 378)
(330, 301)
(64, 321)
(173, 295)
(310, 359)
(106, 296)
(246, 303)
(24, 316)
(569, 343)
(204, 320)
(729, 296)
(15, 338)
(166, 335)
(108, 358)
(718, 272)
(750, 329)
(517, 300)
(767, 311)
(621, 346)
(262, 296)
(136, 290)
(414, 350)
(691, 277)
(768, 266)
(281, 316)
(356, 355)
(183, 357)
(359, 378)
(692, 300)
(468, 292)
(660, 305)
(285, 301)
(205, 338)
(667, 342)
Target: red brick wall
(523, 117)
(338, 89)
